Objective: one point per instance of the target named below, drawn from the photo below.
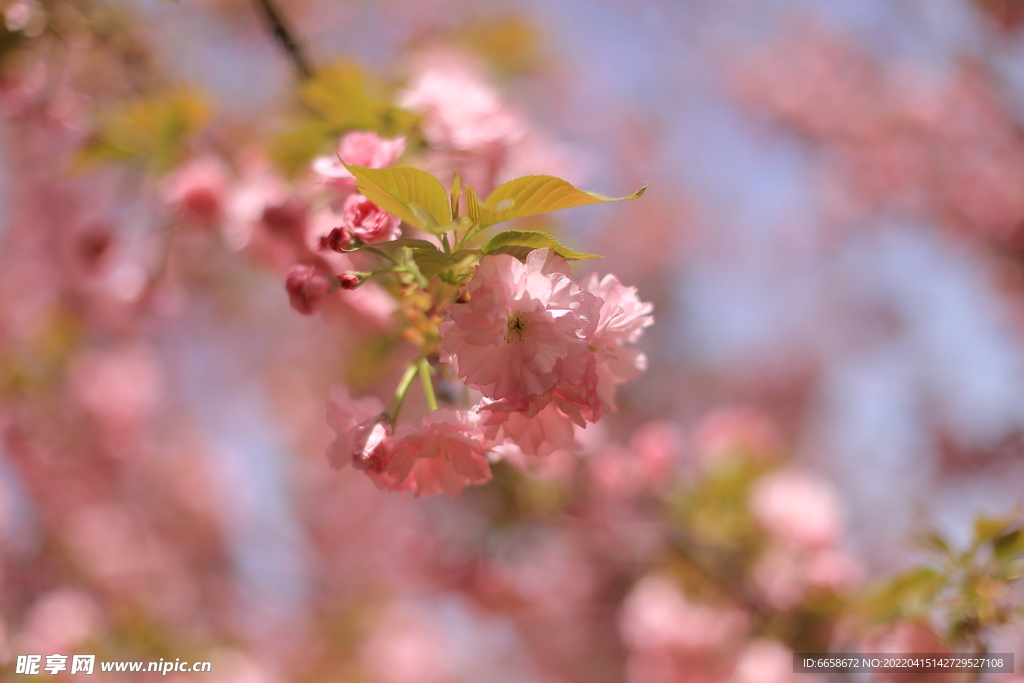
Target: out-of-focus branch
(275, 23)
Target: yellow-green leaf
(293, 148)
(474, 207)
(455, 193)
(520, 243)
(933, 540)
(345, 99)
(535, 194)
(429, 261)
(415, 196)
(1008, 546)
(908, 595)
(988, 528)
(149, 130)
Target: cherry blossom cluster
(541, 352)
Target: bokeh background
(832, 237)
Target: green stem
(471, 232)
(444, 242)
(400, 391)
(378, 252)
(428, 386)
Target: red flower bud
(339, 240)
(307, 289)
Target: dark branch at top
(276, 24)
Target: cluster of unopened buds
(538, 352)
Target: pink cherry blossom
(657, 615)
(834, 569)
(461, 111)
(735, 430)
(362, 438)
(119, 387)
(609, 362)
(197, 190)
(355, 423)
(768, 661)
(798, 508)
(623, 317)
(359, 148)
(369, 222)
(535, 431)
(61, 619)
(525, 329)
(444, 454)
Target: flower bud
(349, 280)
(339, 239)
(307, 289)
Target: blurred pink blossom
(798, 508)
(646, 465)
(768, 661)
(735, 430)
(59, 620)
(118, 386)
(657, 615)
(779, 578)
(461, 110)
(197, 190)
(406, 646)
(834, 570)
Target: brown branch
(275, 22)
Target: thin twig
(275, 22)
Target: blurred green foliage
(151, 131)
(963, 593)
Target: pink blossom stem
(428, 386)
(379, 253)
(400, 391)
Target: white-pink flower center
(516, 328)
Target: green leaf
(520, 243)
(534, 194)
(149, 130)
(345, 99)
(455, 193)
(458, 266)
(415, 196)
(933, 540)
(410, 242)
(462, 257)
(474, 208)
(428, 261)
(910, 594)
(988, 528)
(1008, 546)
(510, 43)
(1012, 570)
(292, 148)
